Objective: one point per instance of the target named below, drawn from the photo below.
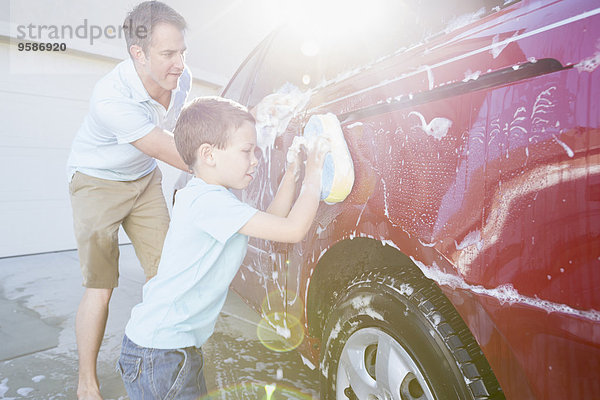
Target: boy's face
(165, 55)
(236, 164)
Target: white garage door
(40, 114)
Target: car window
(243, 78)
(306, 59)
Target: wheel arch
(339, 265)
(351, 257)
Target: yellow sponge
(338, 169)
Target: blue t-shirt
(201, 255)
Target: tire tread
(434, 305)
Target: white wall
(43, 100)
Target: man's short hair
(140, 22)
(209, 120)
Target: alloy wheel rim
(374, 366)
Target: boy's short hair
(140, 22)
(209, 120)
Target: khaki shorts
(100, 206)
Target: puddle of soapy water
(257, 391)
(246, 367)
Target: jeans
(161, 373)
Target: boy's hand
(293, 157)
(317, 151)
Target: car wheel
(398, 337)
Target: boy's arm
(284, 198)
(286, 193)
(293, 228)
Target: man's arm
(160, 144)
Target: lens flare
(280, 332)
(269, 389)
(281, 327)
(259, 391)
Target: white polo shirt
(121, 111)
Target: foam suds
(438, 127)
(464, 20)
(569, 151)
(354, 125)
(589, 64)
(542, 104)
(429, 76)
(503, 293)
(361, 302)
(427, 244)
(3, 387)
(471, 76)
(373, 314)
(280, 330)
(498, 46)
(363, 305)
(324, 369)
(294, 150)
(335, 331)
(24, 391)
(406, 289)
(283, 331)
(307, 362)
(275, 111)
(472, 238)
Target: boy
(205, 245)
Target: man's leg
(99, 207)
(148, 222)
(90, 324)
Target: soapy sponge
(338, 169)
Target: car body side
(477, 156)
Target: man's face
(164, 58)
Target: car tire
(394, 335)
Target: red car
(465, 262)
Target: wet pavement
(39, 295)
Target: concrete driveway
(39, 295)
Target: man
(114, 179)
